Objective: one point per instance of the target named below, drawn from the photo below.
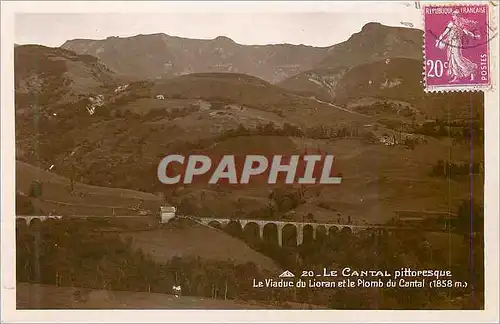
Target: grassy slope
(377, 179)
(161, 243)
(195, 239)
(56, 189)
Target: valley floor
(33, 296)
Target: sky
(313, 28)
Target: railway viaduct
(299, 227)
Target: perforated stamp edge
(492, 35)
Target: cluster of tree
(36, 189)
(470, 218)
(135, 90)
(270, 129)
(286, 199)
(217, 105)
(432, 129)
(411, 142)
(170, 113)
(71, 254)
(316, 132)
(188, 206)
(454, 129)
(454, 170)
(24, 206)
(324, 132)
(385, 107)
(281, 200)
(389, 251)
(459, 130)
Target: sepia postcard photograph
(195, 159)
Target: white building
(121, 88)
(177, 290)
(167, 213)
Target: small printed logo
(287, 274)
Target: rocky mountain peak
(372, 26)
(224, 40)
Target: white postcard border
(8, 295)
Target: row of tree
(271, 129)
(454, 170)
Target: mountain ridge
(162, 56)
(129, 126)
(159, 55)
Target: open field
(185, 239)
(86, 199)
(53, 297)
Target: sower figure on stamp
(452, 40)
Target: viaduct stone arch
(299, 227)
(29, 219)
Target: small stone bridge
(43, 218)
(300, 227)
(29, 219)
